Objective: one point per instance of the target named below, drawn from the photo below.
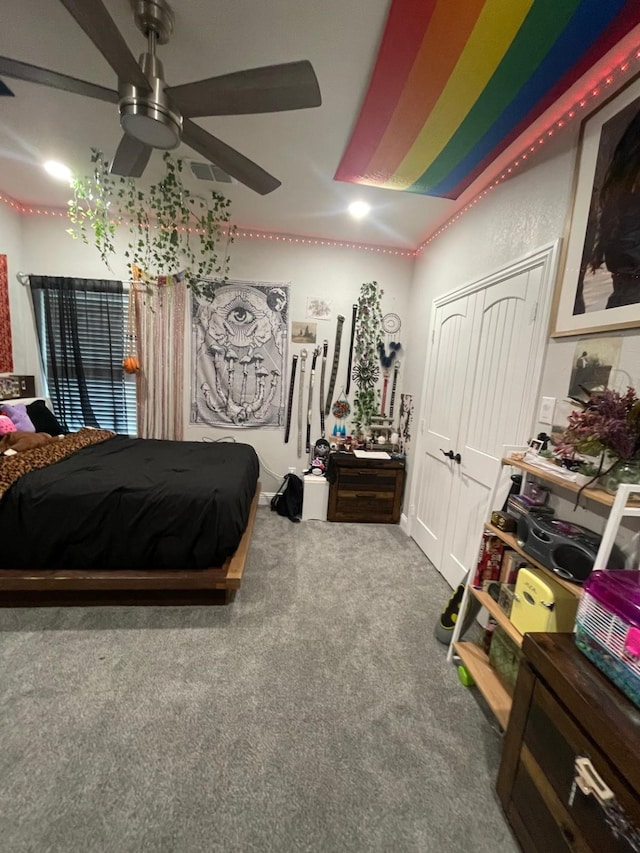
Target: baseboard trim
(265, 498)
(405, 524)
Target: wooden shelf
(511, 540)
(473, 658)
(598, 495)
(498, 614)
(487, 682)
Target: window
(81, 327)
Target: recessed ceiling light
(359, 209)
(58, 170)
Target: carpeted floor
(315, 713)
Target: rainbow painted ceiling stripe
(456, 81)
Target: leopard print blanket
(13, 467)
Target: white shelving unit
(625, 504)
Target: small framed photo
(303, 332)
(535, 446)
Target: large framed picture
(599, 277)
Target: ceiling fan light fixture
(149, 116)
(158, 132)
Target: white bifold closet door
(482, 374)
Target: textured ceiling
(304, 148)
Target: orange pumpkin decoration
(130, 364)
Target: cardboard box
(489, 559)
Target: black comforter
(129, 503)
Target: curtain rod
(23, 278)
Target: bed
(98, 518)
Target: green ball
(465, 676)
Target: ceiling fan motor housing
(154, 16)
(154, 115)
(149, 116)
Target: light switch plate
(547, 408)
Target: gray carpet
(315, 713)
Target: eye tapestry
(239, 347)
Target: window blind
(82, 347)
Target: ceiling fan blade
(270, 89)
(233, 162)
(101, 29)
(131, 157)
(34, 74)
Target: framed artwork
(599, 278)
(303, 332)
(594, 367)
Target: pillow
(6, 425)
(18, 414)
(43, 418)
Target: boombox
(564, 547)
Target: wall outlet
(293, 470)
(547, 408)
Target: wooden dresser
(569, 778)
(365, 490)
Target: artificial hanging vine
(171, 229)
(366, 371)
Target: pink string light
(559, 123)
(239, 233)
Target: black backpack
(287, 500)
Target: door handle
(455, 457)
(448, 454)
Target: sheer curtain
(160, 319)
(81, 332)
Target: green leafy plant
(172, 231)
(366, 402)
(608, 423)
(587, 469)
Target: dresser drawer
(378, 480)
(365, 490)
(529, 809)
(569, 775)
(555, 741)
(364, 506)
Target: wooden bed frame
(48, 588)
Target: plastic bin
(608, 627)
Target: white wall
(25, 359)
(332, 273)
(517, 217)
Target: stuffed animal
(6, 425)
(18, 441)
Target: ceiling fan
(154, 115)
